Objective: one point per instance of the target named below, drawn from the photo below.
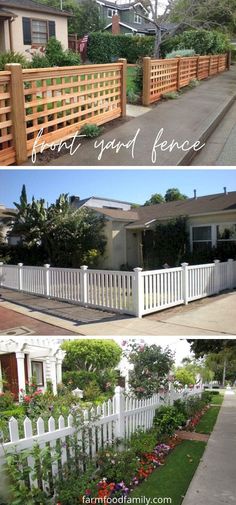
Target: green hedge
(106, 48)
(202, 41)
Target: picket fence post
(18, 111)
(185, 282)
(20, 265)
(47, 280)
(138, 294)
(230, 273)
(84, 284)
(120, 409)
(217, 276)
(1, 270)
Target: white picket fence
(138, 292)
(115, 419)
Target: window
(226, 232)
(37, 372)
(111, 12)
(137, 18)
(201, 237)
(37, 31)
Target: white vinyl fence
(138, 292)
(115, 419)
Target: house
(6, 221)
(99, 202)
(211, 221)
(127, 18)
(26, 26)
(40, 358)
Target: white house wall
(17, 29)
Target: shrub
(143, 442)
(115, 464)
(201, 41)
(6, 400)
(168, 419)
(12, 57)
(105, 47)
(181, 52)
(39, 61)
(90, 130)
(57, 56)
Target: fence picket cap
(115, 272)
(80, 68)
(207, 265)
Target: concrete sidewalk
(192, 117)
(211, 316)
(214, 482)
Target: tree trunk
(157, 42)
(224, 372)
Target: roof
(116, 214)
(6, 212)
(120, 7)
(34, 6)
(146, 215)
(84, 200)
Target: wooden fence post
(209, 66)
(84, 284)
(120, 411)
(18, 111)
(147, 62)
(20, 287)
(228, 60)
(123, 85)
(178, 73)
(197, 73)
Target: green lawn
(172, 480)
(208, 420)
(217, 399)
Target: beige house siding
(17, 30)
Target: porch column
(53, 370)
(10, 21)
(20, 361)
(59, 370)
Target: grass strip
(208, 421)
(172, 480)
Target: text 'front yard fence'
(116, 419)
(50, 105)
(169, 75)
(136, 293)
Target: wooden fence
(165, 76)
(137, 293)
(99, 427)
(49, 105)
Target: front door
(9, 373)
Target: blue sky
(128, 185)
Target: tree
(203, 347)
(91, 355)
(151, 365)
(173, 194)
(86, 15)
(63, 235)
(217, 13)
(184, 376)
(223, 364)
(155, 198)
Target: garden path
(192, 435)
(214, 481)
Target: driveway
(209, 316)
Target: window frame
(214, 240)
(39, 44)
(137, 16)
(38, 362)
(113, 12)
